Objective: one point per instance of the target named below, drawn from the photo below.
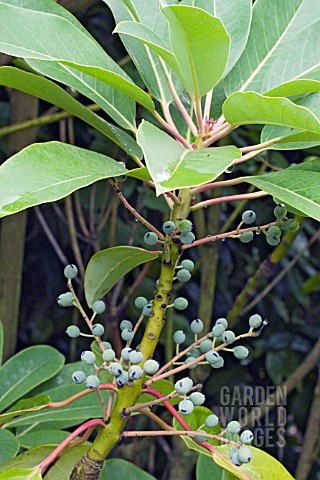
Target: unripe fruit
(168, 227)
(205, 345)
(200, 438)
(70, 271)
(127, 335)
(186, 407)
(244, 454)
(126, 324)
(99, 306)
(246, 437)
(235, 460)
(196, 326)
(88, 357)
(272, 240)
(109, 355)
(179, 337)
(180, 303)
(122, 379)
(292, 225)
(65, 299)
(218, 330)
(79, 377)
(280, 211)
(246, 237)
(97, 329)
(197, 398)
(274, 230)
(228, 337)
(183, 386)
(92, 382)
(233, 427)
(135, 372)
(73, 331)
(218, 364)
(211, 421)
(190, 359)
(187, 264)
(255, 321)
(185, 226)
(240, 352)
(115, 369)
(151, 367)
(249, 217)
(187, 238)
(125, 352)
(222, 321)
(135, 357)
(107, 345)
(183, 275)
(232, 452)
(212, 356)
(147, 309)
(140, 302)
(150, 238)
(194, 352)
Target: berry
(79, 377)
(240, 352)
(109, 355)
(187, 264)
(246, 437)
(126, 324)
(99, 306)
(183, 386)
(107, 345)
(190, 359)
(147, 309)
(73, 331)
(179, 337)
(183, 275)
(125, 353)
(205, 345)
(222, 321)
(232, 452)
(168, 227)
(233, 427)
(122, 379)
(197, 398)
(135, 357)
(135, 372)
(140, 302)
(127, 334)
(248, 217)
(150, 239)
(186, 407)
(218, 364)
(200, 438)
(272, 240)
(212, 356)
(65, 299)
(187, 238)
(274, 230)
(196, 326)
(246, 237)
(115, 369)
(244, 454)
(218, 330)
(97, 329)
(151, 367)
(292, 225)
(185, 226)
(92, 382)
(88, 357)
(70, 271)
(280, 211)
(211, 421)
(255, 321)
(194, 352)
(235, 459)
(228, 337)
(180, 303)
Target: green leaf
(195, 420)
(201, 46)
(43, 437)
(312, 284)
(26, 370)
(22, 407)
(295, 87)
(172, 166)
(297, 186)
(273, 54)
(9, 446)
(236, 18)
(207, 468)
(1, 341)
(46, 90)
(106, 267)
(20, 474)
(164, 387)
(116, 468)
(45, 172)
(140, 173)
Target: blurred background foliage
(231, 280)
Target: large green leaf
(46, 90)
(236, 18)
(20, 474)
(201, 47)
(9, 446)
(195, 420)
(45, 172)
(26, 370)
(106, 267)
(1, 342)
(43, 437)
(295, 87)
(278, 48)
(298, 186)
(24, 406)
(172, 166)
(116, 468)
(207, 468)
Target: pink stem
(229, 198)
(198, 112)
(172, 432)
(258, 146)
(172, 130)
(64, 403)
(248, 156)
(206, 113)
(224, 183)
(220, 132)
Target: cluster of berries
(183, 231)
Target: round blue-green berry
(272, 240)
(70, 271)
(147, 309)
(194, 352)
(280, 211)
(197, 398)
(179, 337)
(190, 359)
(168, 227)
(196, 326)
(73, 331)
(109, 355)
(274, 230)
(151, 367)
(248, 217)
(65, 300)
(212, 356)
(126, 324)
(187, 264)
(233, 427)
(107, 345)
(186, 407)
(222, 321)
(183, 386)
(98, 306)
(183, 275)
(185, 226)
(140, 302)
(127, 334)
(245, 454)
(115, 369)
(122, 379)
(205, 345)
(201, 438)
(228, 337)
(246, 437)
(218, 330)
(235, 459)
(135, 357)
(92, 382)
(88, 357)
(97, 329)
(240, 352)
(79, 377)
(211, 421)
(232, 452)
(187, 238)
(292, 225)
(150, 238)
(246, 237)
(135, 372)
(255, 321)
(180, 303)
(218, 364)
(125, 352)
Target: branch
(229, 198)
(172, 130)
(223, 183)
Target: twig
(223, 183)
(229, 198)
(51, 237)
(198, 112)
